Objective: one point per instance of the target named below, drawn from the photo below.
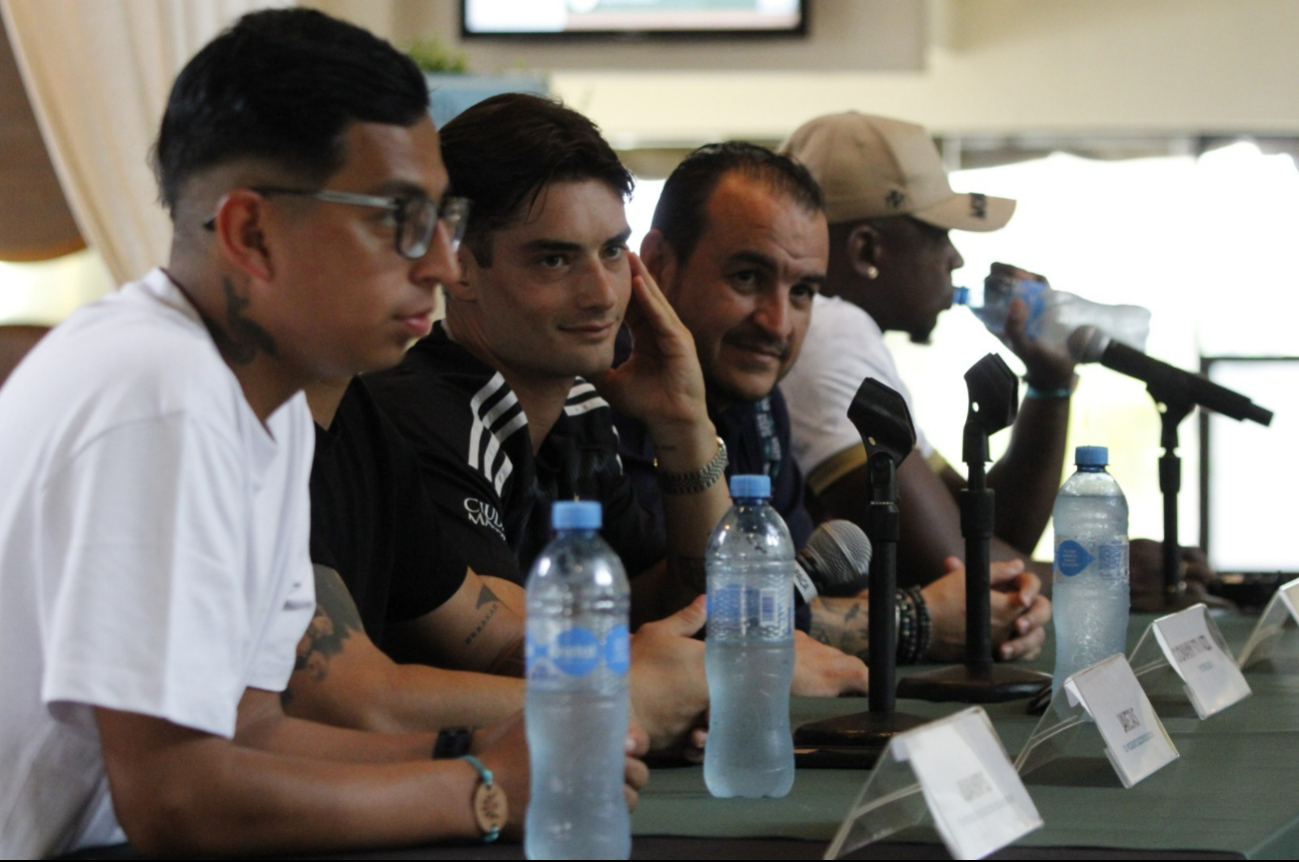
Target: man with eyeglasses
(414, 217)
(154, 574)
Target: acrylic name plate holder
(1279, 614)
(956, 769)
(1189, 644)
(1110, 695)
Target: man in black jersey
(386, 577)
(501, 402)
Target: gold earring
(872, 271)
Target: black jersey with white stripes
(492, 494)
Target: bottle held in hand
(1054, 314)
(577, 706)
(1091, 566)
(749, 651)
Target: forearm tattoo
(335, 620)
(843, 623)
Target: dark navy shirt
(756, 434)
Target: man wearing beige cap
(890, 208)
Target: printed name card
(1135, 740)
(978, 802)
(1281, 610)
(1195, 649)
(957, 769)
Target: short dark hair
(502, 152)
(282, 85)
(679, 215)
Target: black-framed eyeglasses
(415, 217)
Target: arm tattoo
(842, 623)
(485, 597)
(242, 337)
(335, 619)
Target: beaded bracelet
(924, 629)
(913, 626)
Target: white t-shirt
(153, 551)
(844, 346)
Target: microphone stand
(884, 422)
(1174, 405)
(993, 405)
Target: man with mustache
(739, 243)
(501, 404)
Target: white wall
(996, 66)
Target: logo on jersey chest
(484, 515)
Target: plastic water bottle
(1091, 566)
(749, 651)
(1054, 314)
(577, 707)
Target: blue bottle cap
(1092, 456)
(960, 296)
(750, 486)
(577, 515)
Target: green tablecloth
(1232, 790)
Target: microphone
(834, 561)
(1166, 382)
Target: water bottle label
(574, 652)
(617, 650)
(1072, 558)
(1114, 561)
(768, 603)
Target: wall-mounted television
(632, 18)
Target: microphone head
(836, 557)
(1087, 344)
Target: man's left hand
(1047, 366)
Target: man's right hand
(824, 671)
(669, 690)
(1146, 571)
(1018, 612)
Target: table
(1231, 794)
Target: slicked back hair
(282, 86)
(681, 211)
(503, 152)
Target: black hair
(504, 151)
(679, 215)
(282, 85)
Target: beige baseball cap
(873, 166)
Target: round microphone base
(859, 730)
(982, 682)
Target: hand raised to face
(661, 383)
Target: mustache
(753, 338)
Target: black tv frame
(800, 31)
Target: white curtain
(98, 73)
